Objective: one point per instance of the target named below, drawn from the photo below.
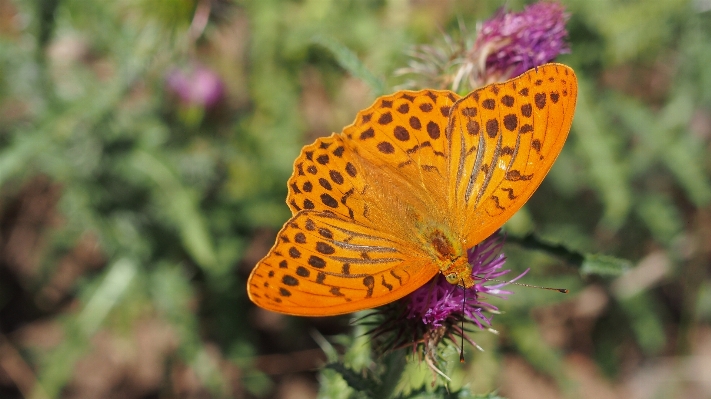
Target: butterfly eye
(452, 278)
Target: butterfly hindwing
(401, 135)
(323, 264)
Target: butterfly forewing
(390, 164)
(504, 140)
(400, 140)
(323, 264)
(404, 129)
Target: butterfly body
(403, 192)
(449, 255)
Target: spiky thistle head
(506, 45)
(511, 43)
(439, 310)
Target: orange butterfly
(403, 192)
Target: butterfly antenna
(464, 302)
(561, 290)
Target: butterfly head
(459, 272)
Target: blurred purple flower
(196, 86)
(511, 43)
(506, 46)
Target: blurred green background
(144, 151)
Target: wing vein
(490, 172)
(477, 165)
(369, 248)
(462, 160)
(365, 261)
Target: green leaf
(58, 365)
(529, 342)
(661, 216)
(604, 265)
(643, 313)
(107, 295)
(354, 379)
(445, 393)
(333, 386)
(594, 143)
(181, 208)
(350, 62)
(587, 263)
(664, 137)
(19, 155)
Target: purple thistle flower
(506, 46)
(509, 44)
(436, 302)
(196, 86)
(438, 310)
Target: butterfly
(401, 194)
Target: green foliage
(350, 62)
(588, 263)
(392, 369)
(598, 150)
(601, 265)
(443, 393)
